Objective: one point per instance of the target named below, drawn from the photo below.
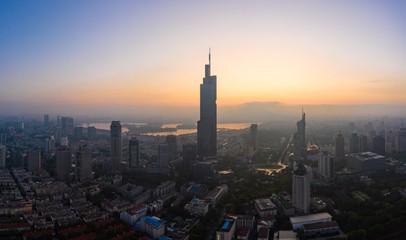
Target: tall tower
(301, 188)
(354, 143)
(115, 145)
(207, 125)
(2, 156)
(339, 153)
(326, 166)
(299, 138)
(63, 163)
(84, 164)
(163, 155)
(134, 151)
(34, 160)
(254, 136)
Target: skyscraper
(46, 121)
(299, 138)
(354, 143)
(2, 156)
(400, 140)
(378, 145)
(339, 153)
(254, 136)
(189, 154)
(34, 160)
(326, 166)
(172, 142)
(84, 164)
(63, 163)
(67, 126)
(115, 145)
(207, 125)
(163, 155)
(134, 152)
(301, 188)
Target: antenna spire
(209, 56)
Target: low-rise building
(163, 189)
(299, 221)
(284, 202)
(153, 226)
(321, 229)
(265, 206)
(243, 233)
(285, 235)
(263, 233)
(197, 206)
(318, 204)
(215, 195)
(227, 229)
(134, 214)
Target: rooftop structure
(298, 222)
(265, 206)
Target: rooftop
(309, 218)
(154, 221)
(366, 156)
(228, 223)
(265, 204)
(314, 226)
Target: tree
(359, 234)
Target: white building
(197, 206)
(301, 188)
(326, 166)
(298, 222)
(215, 195)
(227, 230)
(265, 206)
(134, 215)
(153, 226)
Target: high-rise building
(400, 140)
(63, 163)
(46, 121)
(354, 143)
(66, 126)
(172, 142)
(78, 133)
(84, 164)
(326, 166)
(299, 138)
(363, 143)
(17, 160)
(254, 136)
(378, 145)
(189, 154)
(163, 155)
(58, 134)
(2, 156)
(207, 125)
(34, 160)
(115, 145)
(301, 180)
(339, 148)
(134, 151)
(91, 133)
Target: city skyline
(144, 57)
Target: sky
(90, 57)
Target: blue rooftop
(226, 224)
(156, 222)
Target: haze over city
(144, 59)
